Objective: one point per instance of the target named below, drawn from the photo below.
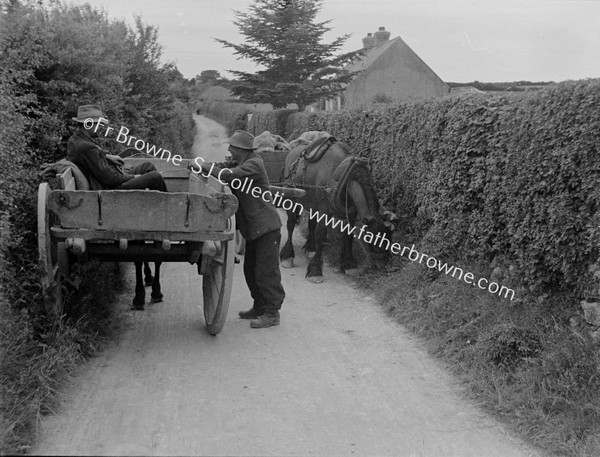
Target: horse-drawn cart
(193, 222)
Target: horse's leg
(148, 278)
(314, 271)
(140, 292)
(156, 296)
(287, 252)
(310, 245)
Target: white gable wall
(397, 73)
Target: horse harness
(339, 180)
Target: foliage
(282, 36)
(381, 98)
(507, 344)
(37, 353)
(53, 59)
(521, 361)
(212, 77)
(272, 121)
(516, 86)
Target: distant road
(209, 142)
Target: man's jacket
(87, 155)
(255, 217)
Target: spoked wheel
(216, 285)
(54, 261)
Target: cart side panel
(142, 210)
(274, 164)
(200, 184)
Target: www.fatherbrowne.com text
(380, 240)
(278, 199)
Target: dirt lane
(209, 142)
(337, 377)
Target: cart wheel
(216, 286)
(54, 263)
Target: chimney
(381, 36)
(369, 41)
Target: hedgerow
(509, 178)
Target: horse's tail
(351, 169)
(361, 173)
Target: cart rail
(140, 211)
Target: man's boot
(266, 320)
(252, 313)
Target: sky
(460, 40)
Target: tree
(282, 36)
(208, 76)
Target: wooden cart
(194, 222)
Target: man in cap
(103, 170)
(259, 223)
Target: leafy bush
(53, 59)
(508, 344)
(272, 121)
(37, 353)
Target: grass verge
(531, 364)
(38, 353)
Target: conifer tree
(284, 37)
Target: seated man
(102, 169)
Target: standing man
(259, 223)
(101, 169)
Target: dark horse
(359, 205)
(144, 278)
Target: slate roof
(374, 53)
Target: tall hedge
(507, 177)
(271, 121)
(54, 58)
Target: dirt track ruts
(337, 377)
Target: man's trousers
(261, 270)
(149, 179)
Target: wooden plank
(274, 164)
(142, 210)
(205, 185)
(139, 253)
(176, 184)
(90, 234)
(66, 180)
(289, 192)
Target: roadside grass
(37, 354)
(531, 364)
